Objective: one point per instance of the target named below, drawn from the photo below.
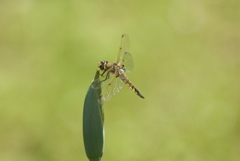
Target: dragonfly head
(102, 65)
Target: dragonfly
(113, 76)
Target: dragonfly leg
(103, 72)
(107, 77)
(97, 82)
(106, 71)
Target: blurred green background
(187, 65)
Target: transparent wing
(111, 88)
(124, 57)
(125, 44)
(126, 62)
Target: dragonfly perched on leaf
(113, 75)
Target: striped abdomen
(124, 78)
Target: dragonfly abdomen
(130, 85)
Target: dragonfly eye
(101, 65)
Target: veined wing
(126, 62)
(124, 58)
(110, 88)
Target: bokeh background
(187, 65)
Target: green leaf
(93, 127)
